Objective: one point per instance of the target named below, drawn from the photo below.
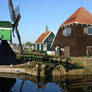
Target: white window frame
(64, 31)
(87, 30)
(39, 46)
(35, 46)
(45, 48)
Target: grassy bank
(77, 66)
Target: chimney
(46, 28)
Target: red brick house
(74, 36)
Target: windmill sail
(15, 16)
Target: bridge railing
(42, 58)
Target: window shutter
(85, 30)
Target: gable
(49, 38)
(42, 37)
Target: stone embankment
(11, 70)
(36, 72)
(43, 70)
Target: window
(67, 31)
(44, 47)
(89, 30)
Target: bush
(28, 51)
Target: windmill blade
(13, 31)
(17, 21)
(12, 12)
(19, 39)
(17, 10)
(16, 24)
(15, 16)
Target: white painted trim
(55, 37)
(46, 37)
(40, 46)
(76, 23)
(35, 46)
(5, 28)
(53, 41)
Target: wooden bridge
(43, 58)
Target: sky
(36, 14)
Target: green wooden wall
(5, 34)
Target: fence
(42, 58)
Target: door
(89, 50)
(66, 51)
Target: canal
(26, 83)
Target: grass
(76, 63)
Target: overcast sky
(36, 14)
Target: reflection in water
(30, 86)
(38, 84)
(76, 85)
(6, 84)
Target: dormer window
(89, 30)
(67, 31)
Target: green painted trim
(5, 24)
(50, 38)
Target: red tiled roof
(42, 37)
(82, 16)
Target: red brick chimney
(46, 28)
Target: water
(26, 83)
(29, 86)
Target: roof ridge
(42, 37)
(46, 36)
(78, 13)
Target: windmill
(15, 18)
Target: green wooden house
(44, 42)
(7, 55)
(5, 30)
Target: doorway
(89, 50)
(66, 51)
